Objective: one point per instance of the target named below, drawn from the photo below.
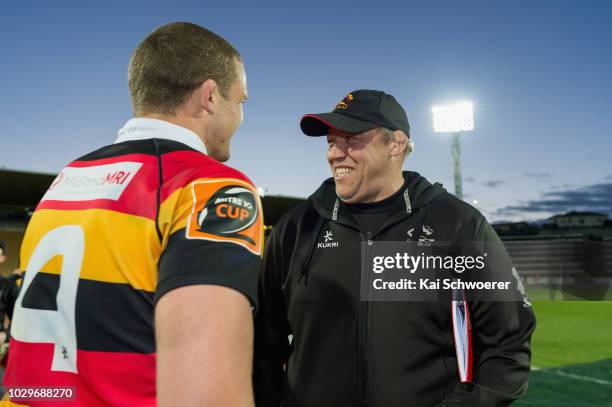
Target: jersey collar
(142, 128)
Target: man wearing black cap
(344, 350)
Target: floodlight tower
(454, 119)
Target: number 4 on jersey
(54, 326)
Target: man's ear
(400, 141)
(208, 95)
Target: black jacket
(348, 352)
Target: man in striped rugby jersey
(141, 259)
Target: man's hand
(204, 338)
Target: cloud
(597, 157)
(609, 177)
(494, 183)
(563, 186)
(471, 179)
(592, 198)
(537, 175)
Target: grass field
(571, 355)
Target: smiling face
(361, 165)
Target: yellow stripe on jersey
(173, 212)
(6, 402)
(119, 248)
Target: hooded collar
(417, 193)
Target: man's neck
(180, 120)
(389, 188)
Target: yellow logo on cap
(344, 102)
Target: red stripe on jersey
(135, 200)
(200, 165)
(104, 378)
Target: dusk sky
(538, 72)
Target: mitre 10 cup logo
(226, 211)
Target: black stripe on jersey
(42, 293)
(109, 317)
(135, 147)
(197, 261)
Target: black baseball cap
(359, 111)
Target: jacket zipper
(364, 333)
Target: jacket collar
(417, 191)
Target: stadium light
(454, 119)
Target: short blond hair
(172, 61)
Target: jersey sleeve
(214, 235)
